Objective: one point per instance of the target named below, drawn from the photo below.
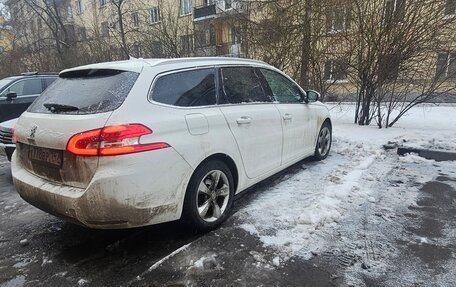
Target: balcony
(220, 8)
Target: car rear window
(186, 89)
(89, 91)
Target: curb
(436, 155)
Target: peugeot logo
(32, 132)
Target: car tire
(208, 201)
(324, 141)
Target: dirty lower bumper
(117, 197)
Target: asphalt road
(390, 244)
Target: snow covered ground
(362, 217)
(297, 216)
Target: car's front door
(252, 118)
(298, 120)
(26, 92)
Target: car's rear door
(253, 119)
(298, 121)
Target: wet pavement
(397, 241)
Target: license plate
(46, 156)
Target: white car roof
(136, 65)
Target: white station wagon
(140, 142)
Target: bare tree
(386, 47)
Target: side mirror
(10, 96)
(312, 96)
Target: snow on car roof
(136, 65)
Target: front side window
(185, 7)
(186, 89)
(283, 90)
(242, 85)
(25, 88)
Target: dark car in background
(19, 92)
(16, 95)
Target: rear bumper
(7, 150)
(126, 191)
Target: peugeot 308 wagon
(140, 142)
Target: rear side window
(48, 82)
(242, 85)
(186, 89)
(86, 92)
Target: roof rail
(29, 73)
(38, 73)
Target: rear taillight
(112, 140)
(14, 134)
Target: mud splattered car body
(102, 149)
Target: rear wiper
(55, 108)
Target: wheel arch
(328, 121)
(229, 162)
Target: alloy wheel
(213, 196)
(324, 141)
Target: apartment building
(83, 31)
(434, 63)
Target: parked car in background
(140, 142)
(18, 92)
(7, 145)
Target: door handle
(244, 120)
(287, 117)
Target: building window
(154, 14)
(450, 8)
(388, 67)
(103, 3)
(335, 70)
(205, 37)
(137, 50)
(186, 43)
(446, 66)
(185, 7)
(208, 2)
(104, 29)
(339, 19)
(156, 49)
(79, 7)
(135, 19)
(82, 34)
(228, 4)
(69, 12)
(394, 10)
